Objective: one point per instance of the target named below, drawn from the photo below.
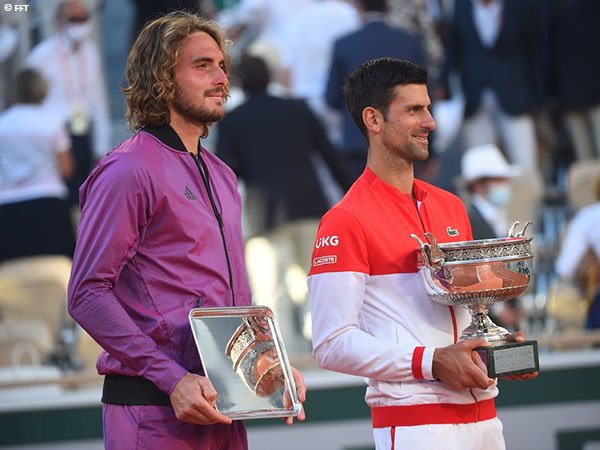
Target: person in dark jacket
(498, 49)
(487, 175)
(377, 38)
(277, 147)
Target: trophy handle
(431, 254)
(425, 249)
(437, 257)
(512, 230)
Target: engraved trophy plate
(244, 358)
(476, 274)
(510, 359)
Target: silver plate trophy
(476, 274)
(244, 358)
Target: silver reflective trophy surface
(244, 358)
(476, 274)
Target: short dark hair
(373, 83)
(30, 86)
(253, 74)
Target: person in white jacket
(581, 245)
(71, 63)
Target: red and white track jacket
(370, 314)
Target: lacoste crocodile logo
(452, 231)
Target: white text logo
(332, 259)
(327, 241)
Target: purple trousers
(152, 427)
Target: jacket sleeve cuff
(422, 363)
(167, 380)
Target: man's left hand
(301, 392)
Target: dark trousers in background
(41, 226)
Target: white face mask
(77, 32)
(498, 194)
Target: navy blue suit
(514, 68)
(375, 39)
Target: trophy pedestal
(511, 358)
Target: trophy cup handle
(425, 249)
(431, 254)
(513, 232)
(436, 257)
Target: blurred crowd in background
(515, 90)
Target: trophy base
(511, 358)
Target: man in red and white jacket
(371, 315)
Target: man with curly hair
(160, 233)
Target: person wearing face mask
(70, 61)
(487, 176)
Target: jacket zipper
(450, 308)
(203, 169)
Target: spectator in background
(414, 16)
(497, 47)
(70, 61)
(376, 38)
(269, 142)
(9, 38)
(259, 27)
(307, 56)
(150, 9)
(487, 176)
(34, 162)
(579, 256)
(43, 19)
(576, 71)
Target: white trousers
(277, 264)
(486, 435)
(584, 127)
(491, 125)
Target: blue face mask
(499, 194)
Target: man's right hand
(459, 367)
(194, 399)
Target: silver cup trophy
(476, 274)
(255, 358)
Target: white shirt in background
(488, 18)
(75, 81)
(30, 138)
(583, 233)
(269, 19)
(309, 43)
